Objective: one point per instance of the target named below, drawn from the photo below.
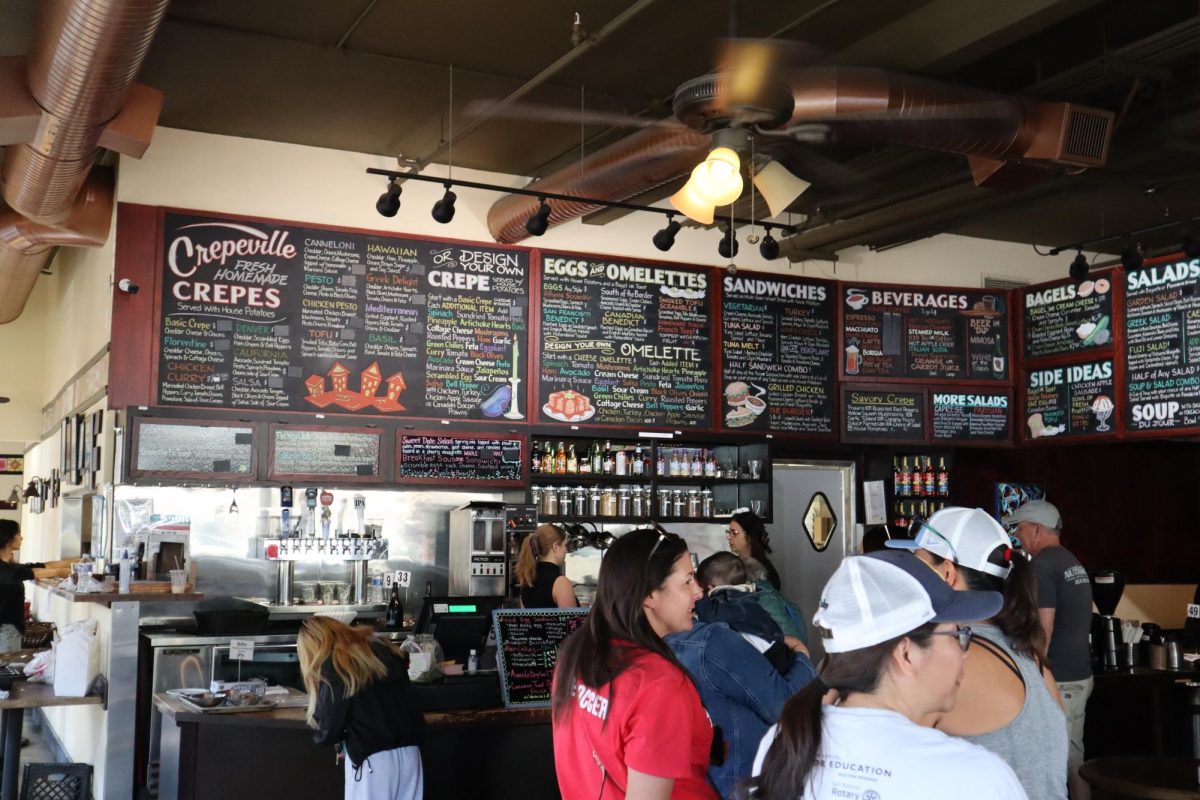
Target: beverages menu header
(777, 354)
(912, 332)
(256, 315)
(1067, 317)
(624, 343)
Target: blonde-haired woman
(540, 569)
(358, 700)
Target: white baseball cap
(966, 536)
(1042, 512)
(883, 595)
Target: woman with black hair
(748, 537)
(627, 718)
(1008, 701)
(892, 659)
(13, 575)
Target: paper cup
(179, 579)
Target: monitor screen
(460, 624)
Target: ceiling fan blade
(751, 67)
(547, 113)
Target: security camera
(127, 286)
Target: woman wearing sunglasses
(894, 655)
(627, 718)
(748, 537)
(1008, 701)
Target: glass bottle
(638, 466)
(560, 460)
(697, 465)
(930, 478)
(548, 460)
(903, 488)
(535, 460)
(609, 463)
(597, 459)
(572, 460)
(710, 465)
(675, 465)
(622, 462)
(394, 615)
(663, 470)
(943, 478)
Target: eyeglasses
(963, 633)
(920, 525)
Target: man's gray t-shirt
(1062, 584)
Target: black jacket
(380, 717)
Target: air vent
(1088, 135)
(993, 282)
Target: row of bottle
(918, 480)
(627, 501)
(906, 510)
(547, 459)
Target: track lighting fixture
(389, 202)
(540, 221)
(1079, 267)
(1131, 257)
(1190, 244)
(665, 239)
(768, 248)
(443, 210)
(728, 248)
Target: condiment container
(706, 503)
(608, 503)
(579, 495)
(549, 502)
(564, 500)
(693, 503)
(664, 503)
(594, 501)
(677, 502)
(622, 502)
(639, 505)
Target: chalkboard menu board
(882, 415)
(777, 370)
(1162, 347)
(1071, 400)
(961, 416)
(179, 447)
(914, 332)
(624, 343)
(1066, 317)
(460, 458)
(527, 648)
(263, 315)
(336, 453)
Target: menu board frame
(382, 467)
(138, 422)
(521, 439)
(833, 290)
(502, 664)
(1116, 423)
(959, 442)
(1116, 278)
(847, 437)
(842, 338)
(536, 344)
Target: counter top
(40, 695)
(294, 717)
(108, 598)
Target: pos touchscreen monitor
(460, 624)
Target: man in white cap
(1065, 609)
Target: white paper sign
(388, 579)
(875, 502)
(403, 578)
(1193, 611)
(241, 649)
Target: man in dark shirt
(1065, 610)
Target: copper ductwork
(625, 169)
(77, 95)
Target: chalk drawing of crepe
(1038, 427)
(342, 396)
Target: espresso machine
(478, 561)
(1107, 587)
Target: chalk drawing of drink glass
(853, 357)
(1102, 407)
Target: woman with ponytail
(892, 658)
(1008, 701)
(540, 569)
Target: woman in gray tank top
(1008, 702)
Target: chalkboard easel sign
(527, 641)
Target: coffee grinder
(1107, 587)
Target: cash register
(461, 624)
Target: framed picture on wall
(66, 448)
(78, 447)
(12, 464)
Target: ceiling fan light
(718, 179)
(687, 202)
(779, 187)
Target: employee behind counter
(13, 575)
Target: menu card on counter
(882, 415)
(624, 343)
(461, 458)
(1162, 347)
(265, 315)
(969, 417)
(1066, 317)
(527, 643)
(777, 354)
(921, 332)
(1071, 400)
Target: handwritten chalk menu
(1162, 347)
(875, 415)
(263, 315)
(912, 332)
(527, 643)
(777, 354)
(341, 453)
(461, 458)
(1071, 400)
(960, 416)
(1067, 317)
(623, 343)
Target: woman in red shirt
(628, 722)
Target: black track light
(665, 239)
(1131, 257)
(389, 202)
(1079, 267)
(728, 248)
(1191, 244)
(540, 221)
(768, 248)
(443, 210)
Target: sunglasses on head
(662, 537)
(920, 525)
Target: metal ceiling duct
(80, 74)
(624, 169)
